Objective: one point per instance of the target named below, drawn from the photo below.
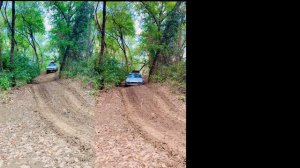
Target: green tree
(30, 24)
(102, 33)
(71, 21)
(120, 25)
(12, 48)
(81, 30)
(160, 26)
(1, 64)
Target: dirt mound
(45, 78)
(47, 125)
(55, 123)
(66, 113)
(143, 125)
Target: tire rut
(60, 103)
(60, 122)
(71, 96)
(167, 100)
(76, 94)
(155, 111)
(161, 130)
(160, 101)
(120, 140)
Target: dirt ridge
(159, 134)
(63, 111)
(139, 126)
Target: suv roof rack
(135, 71)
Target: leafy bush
(24, 71)
(113, 73)
(174, 74)
(91, 73)
(5, 81)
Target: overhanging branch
(151, 14)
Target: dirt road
(57, 123)
(47, 124)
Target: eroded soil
(57, 123)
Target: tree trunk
(182, 54)
(153, 65)
(41, 55)
(1, 65)
(102, 33)
(142, 67)
(6, 20)
(124, 51)
(34, 48)
(179, 44)
(12, 34)
(12, 48)
(62, 66)
(91, 47)
(169, 34)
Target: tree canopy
(102, 42)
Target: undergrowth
(173, 75)
(89, 71)
(23, 71)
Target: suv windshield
(52, 64)
(135, 75)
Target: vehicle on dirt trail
(52, 67)
(134, 78)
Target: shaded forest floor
(57, 123)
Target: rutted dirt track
(140, 126)
(47, 124)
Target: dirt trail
(69, 114)
(56, 118)
(147, 131)
(56, 123)
(156, 118)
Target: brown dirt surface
(140, 126)
(57, 123)
(47, 124)
(46, 78)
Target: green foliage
(119, 19)
(81, 31)
(71, 27)
(111, 71)
(120, 30)
(24, 71)
(29, 24)
(5, 81)
(161, 22)
(29, 17)
(174, 75)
